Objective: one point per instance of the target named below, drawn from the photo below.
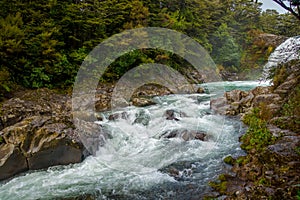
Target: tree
(226, 51)
(269, 22)
(293, 6)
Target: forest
(43, 43)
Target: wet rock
(200, 136)
(235, 95)
(150, 91)
(92, 136)
(61, 154)
(174, 115)
(185, 134)
(142, 102)
(200, 90)
(173, 172)
(143, 96)
(170, 115)
(116, 116)
(38, 132)
(12, 161)
(44, 142)
(142, 118)
(229, 160)
(219, 105)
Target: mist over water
(135, 162)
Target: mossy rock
(220, 187)
(229, 160)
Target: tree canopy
(42, 43)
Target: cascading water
(136, 162)
(287, 51)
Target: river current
(137, 162)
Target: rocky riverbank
(37, 129)
(271, 169)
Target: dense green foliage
(258, 136)
(42, 43)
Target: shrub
(257, 136)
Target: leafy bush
(257, 136)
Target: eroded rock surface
(37, 132)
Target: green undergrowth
(221, 186)
(257, 136)
(229, 160)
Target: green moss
(222, 177)
(229, 160)
(242, 160)
(220, 187)
(257, 136)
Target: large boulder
(44, 142)
(12, 161)
(37, 131)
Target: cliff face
(271, 168)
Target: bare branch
(291, 8)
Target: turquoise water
(135, 162)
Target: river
(136, 162)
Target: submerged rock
(185, 134)
(174, 115)
(116, 116)
(142, 118)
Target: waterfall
(287, 51)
